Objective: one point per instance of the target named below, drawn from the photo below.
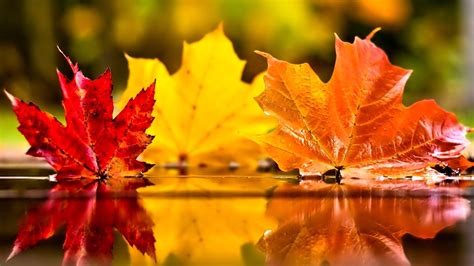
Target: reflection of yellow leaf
(204, 109)
(199, 221)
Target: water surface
(236, 219)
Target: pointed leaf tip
(127, 56)
(220, 26)
(12, 98)
(150, 87)
(74, 67)
(15, 251)
(266, 55)
(372, 33)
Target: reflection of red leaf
(357, 119)
(90, 211)
(93, 144)
(355, 223)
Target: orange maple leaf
(357, 119)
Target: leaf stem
(338, 174)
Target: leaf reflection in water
(90, 211)
(206, 221)
(358, 223)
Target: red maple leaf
(93, 144)
(89, 211)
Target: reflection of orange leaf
(90, 212)
(357, 119)
(355, 223)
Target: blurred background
(431, 37)
(435, 38)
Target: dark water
(244, 220)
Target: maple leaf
(358, 223)
(205, 109)
(90, 211)
(356, 120)
(94, 144)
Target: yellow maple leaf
(204, 111)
